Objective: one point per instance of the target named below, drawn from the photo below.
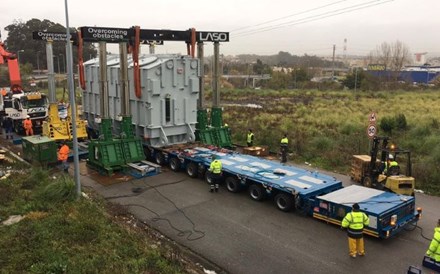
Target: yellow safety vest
(355, 220)
(216, 167)
(434, 247)
(284, 140)
(249, 137)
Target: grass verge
(62, 234)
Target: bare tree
(394, 56)
(400, 55)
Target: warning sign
(372, 118)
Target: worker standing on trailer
(250, 138)
(434, 248)
(216, 173)
(284, 148)
(63, 155)
(27, 124)
(355, 221)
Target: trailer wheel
(175, 164)
(232, 184)
(257, 192)
(191, 170)
(160, 159)
(147, 153)
(367, 182)
(208, 177)
(284, 202)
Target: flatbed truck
(315, 194)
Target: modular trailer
(309, 192)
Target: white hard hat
(28, 116)
(390, 157)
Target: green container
(39, 149)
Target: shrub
(387, 124)
(401, 123)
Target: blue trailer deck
(269, 173)
(310, 192)
(380, 206)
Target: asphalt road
(244, 236)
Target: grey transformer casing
(166, 113)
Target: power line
(287, 16)
(314, 17)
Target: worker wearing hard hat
(27, 124)
(390, 164)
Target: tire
(284, 202)
(367, 182)
(191, 170)
(147, 153)
(233, 184)
(208, 177)
(160, 159)
(201, 170)
(257, 192)
(175, 164)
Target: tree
(394, 56)
(34, 51)
(260, 68)
(354, 79)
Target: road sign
(371, 131)
(372, 118)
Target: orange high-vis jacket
(27, 123)
(63, 153)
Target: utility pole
(72, 103)
(333, 63)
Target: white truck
(17, 106)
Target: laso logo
(214, 36)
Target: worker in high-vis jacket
(27, 125)
(434, 248)
(63, 155)
(284, 148)
(250, 138)
(216, 173)
(354, 222)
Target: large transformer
(166, 113)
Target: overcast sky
(256, 26)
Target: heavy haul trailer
(312, 193)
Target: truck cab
(18, 106)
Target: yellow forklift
(371, 170)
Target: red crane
(14, 69)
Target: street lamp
(58, 60)
(64, 62)
(18, 55)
